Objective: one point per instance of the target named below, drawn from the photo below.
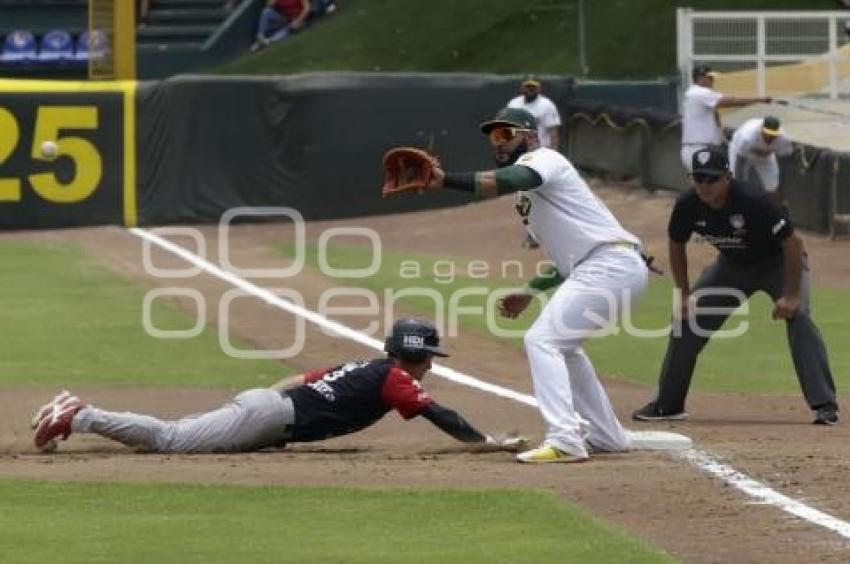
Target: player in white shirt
(548, 130)
(755, 145)
(700, 120)
(599, 270)
(543, 109)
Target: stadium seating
(19, 47)
(57, 46)
(91, 42)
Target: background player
(700, 121)
(548, 131)
(604, 273)
(758, 251)
(754, 146)
(309, 407)
(542, 108)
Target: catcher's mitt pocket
(407, 168)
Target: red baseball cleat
(54, 418)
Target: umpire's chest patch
(736, 220)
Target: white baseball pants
(253, 420)
(592, 299)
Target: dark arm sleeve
(517, 177)
(680, 227)
(508, 179)
(451, 422)
(776, 221)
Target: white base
(659, 440)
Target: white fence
(769, 52)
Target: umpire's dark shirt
(748, 229)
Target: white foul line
(333, 326)
(699, 459)
(765, 493)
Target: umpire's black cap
(710, 161)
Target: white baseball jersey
(544, 111)
(699, 122)
(565, 215)
(748, 149)
(748, 142)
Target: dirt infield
(654, 495)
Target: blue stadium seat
(56, 47)
(94, 40)
(19, 47)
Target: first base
(659, 440)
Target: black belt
(647, 260)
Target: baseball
(49, 149)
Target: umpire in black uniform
(759, 250)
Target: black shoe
(826, 415)
(650, 412)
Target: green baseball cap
(511, 117)
(531, 80)
(770, 126)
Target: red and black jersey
(348, 398)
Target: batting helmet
(412, 339)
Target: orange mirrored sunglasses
(505, 134)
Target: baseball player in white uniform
(599, 271)
(755, 145)
(700, 120)
(543, 110)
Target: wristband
(463, 181)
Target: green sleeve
(545, 281)
(516, 177)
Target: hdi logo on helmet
(414, 341)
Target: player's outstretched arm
(739, 101)
(453, 423)
(490, 183)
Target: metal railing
(769, 45)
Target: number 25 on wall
(49, 123)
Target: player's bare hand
(786, 307)
(514, 304)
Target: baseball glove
(407, 168)
(514, 304)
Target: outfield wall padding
(310, 142)
(188, 149)
(625, 143)
(84, 184)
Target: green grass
(758, 361)
(94, 522)
(625, 38)
(71, 322)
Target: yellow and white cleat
(547, 453)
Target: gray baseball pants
(252, 420)
(807, 347)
